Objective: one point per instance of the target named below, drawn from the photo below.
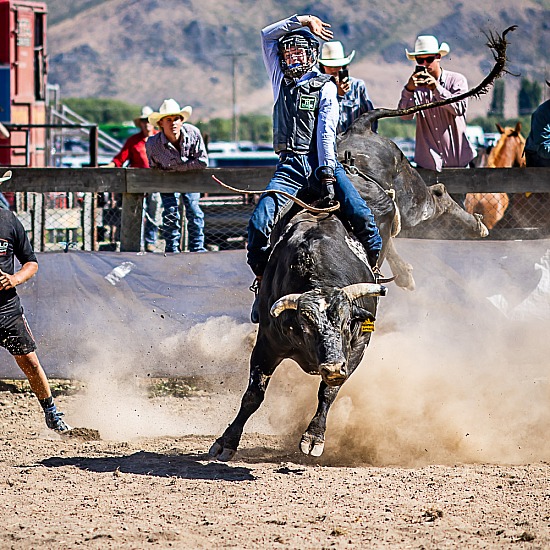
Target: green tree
(529, 97)
(397, 128)
(103, 111)
(497, 102)
(256, 128)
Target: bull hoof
(218, 452)
(405, 280)
(312, 446)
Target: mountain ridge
(145, 51)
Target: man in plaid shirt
(178, 146)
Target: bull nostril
(333, 370)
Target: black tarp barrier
(86, 309)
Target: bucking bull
(319, 296)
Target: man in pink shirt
(441, 140)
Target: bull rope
(300, 203)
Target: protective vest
(295, 115)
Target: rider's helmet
(302, 49)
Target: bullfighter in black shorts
(15, 334)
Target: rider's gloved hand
(325, 174)
(373, 258)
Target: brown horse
(508, 152)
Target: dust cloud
(450, 377)
(116, 402)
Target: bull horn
(290, 301)
(364, 290)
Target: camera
(342, 75)
(420, 69)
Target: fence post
(88, 225)
(37, 221)
(93, 146)
(130, 225)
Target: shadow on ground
(185, 466)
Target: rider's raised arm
(270, 38)
(329, 114)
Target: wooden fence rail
(133, 182)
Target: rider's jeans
(294, 174)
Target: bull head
(325, 319)
(353, 292)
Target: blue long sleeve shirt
(353, 104)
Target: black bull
(317, 296)
(318, 288)
(380, 163)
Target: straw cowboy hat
(170, 107)
(332, 55)
(6, 176)
(145, 112)
(426, 45)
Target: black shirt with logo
(14, 243)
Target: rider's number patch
(367, 326)
(307, 102)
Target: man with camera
(353, 97)
(441, 140)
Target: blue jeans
(171, 221)
(294, 174)
(150, 206)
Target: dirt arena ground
(438, 440)
(164, 492)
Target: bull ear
(361, 314)
(290, 301)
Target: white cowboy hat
(170, 107)
(426, 45)
(332, 55)
(6, 176)
(145, 112)
(4, 132)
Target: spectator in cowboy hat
(178, 146)
(441, 139)
(537, 145)
(133, 152)
(353, 97)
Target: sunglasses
(427, 60)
